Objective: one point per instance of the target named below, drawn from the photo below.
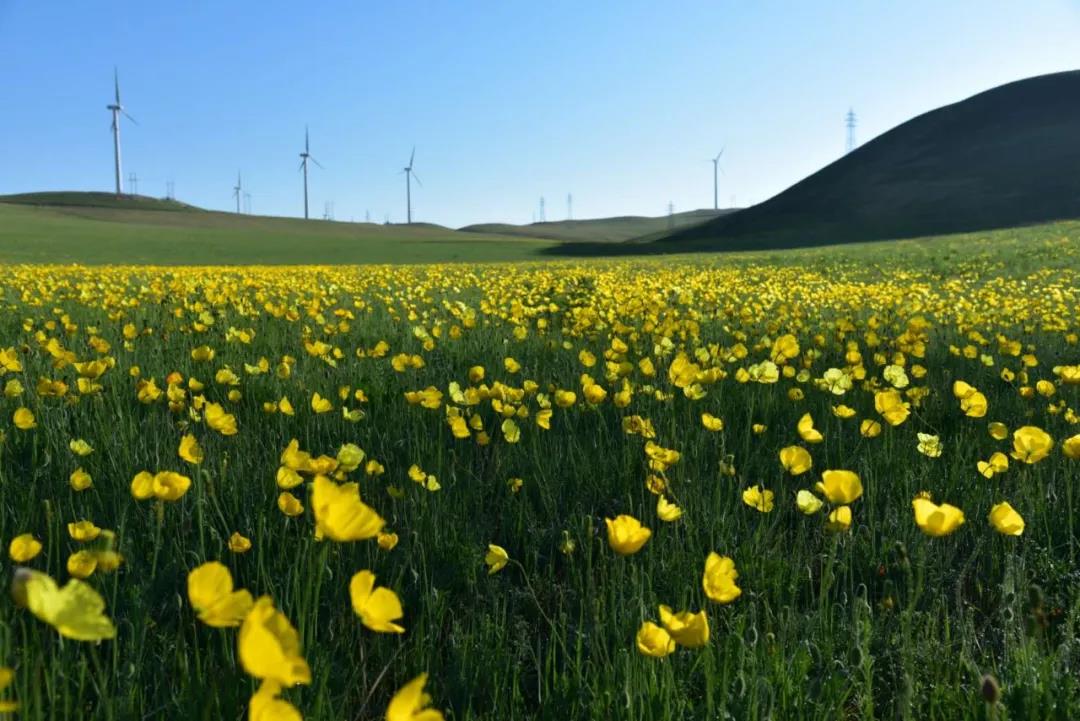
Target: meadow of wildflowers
(832, 486)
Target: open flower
(840, 487)
(411, 703)
(687, 629)
(377, 607)
(1006, 520)
(719, 579)
(626, 535)
(936, 520)
(210, 590)
(1031, 444)
(269, 646)
(795, 460)
(652, 640)
(76, 611)
(340, 514)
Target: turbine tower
(409, 176)
(237, 190)
(715, 180)
(117, 109)
(304, 158)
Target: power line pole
(543, 217)
(569, 206)
(133, 183)
(670, 215)
(849, 122)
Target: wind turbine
(409, 175)
(715, 183)
(304, 158)
(117, 109)
(237, 190)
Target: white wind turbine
(117, 109)
(304, 158)
(409, 175)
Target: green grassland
(878, 622)
(101, 235)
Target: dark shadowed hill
(1006, 157)
(600, 230)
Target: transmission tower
(849, 122)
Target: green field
(876, 618)
(94, 234)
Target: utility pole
(543, 217)
(670, 215)
(849, 122)
(569, 206)
(133, 183)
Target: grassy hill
(72, 198)
(1007, 157)
(140, 230)
(600, 230)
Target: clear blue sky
(619, 102)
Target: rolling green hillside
(1006, 157)
(120, 233)
(600, 230)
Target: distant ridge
(80, 199)
(600, 230)
(1006, 157)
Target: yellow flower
(998, 463)
(222, 422)
(7, 676)
(387, 541)
(169, 486)
(377, 607)
(76, 611)
(807, 431)
(891, 406)
(935, 520)
(998, 431)
(24, 419)
(719, 579)
(83, 531)
(24, 548)
(210, 590)
(667, 511)
(795, 460)
(320, 404)
(1031, 444)
(239, 543)
(510, 430)
(496, 558)
(190, 450)
(1006, 520)
(840, 487)
(842, 411)
(711, 422)
(349, 457)
(267, 706)
(82, 564)
(80, 480)
(80, 447)
(626, 535)
(839, 519)
(269, 646)
(869, 428)
(929, 445)
(411, 703)
(1071, 447)
(687, 629)
(807, 502)
(654, 641)
(285, 406)
(974, 405)
(759, 499)
(340, 515)
(289, 504)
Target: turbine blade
(129, 117)
(116, 83)
(417, 179)
(412, 156)
(317, 163)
